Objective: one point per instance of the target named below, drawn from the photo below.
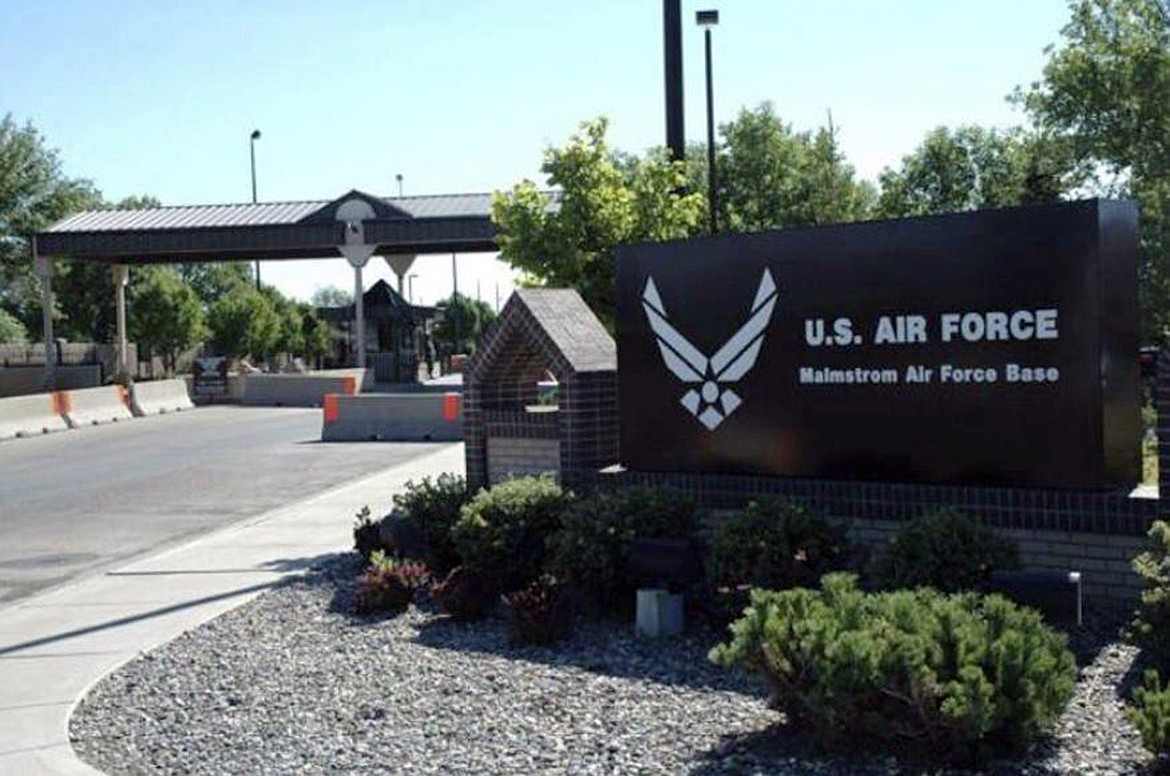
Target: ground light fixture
(252, 152)
(707, 20)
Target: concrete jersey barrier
(159, 397)
(301, 390)
(39, 413)
(393, 417)
(94, 406)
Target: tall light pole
(252, 151)
(707, 20)
(398, 177)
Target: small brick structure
(541, 334)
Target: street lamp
(398, 178)
(707, 20)
(252, 151)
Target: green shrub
(466, 594)
(541, 613)
(502, 531)
(379, 591)
(366, 534)
(1150, 628)
(777, 544)
(388, 585)
(430, 510)
(590, 550)
(962, 674)
(945, 549)
(1150, 714)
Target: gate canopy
(271, 230)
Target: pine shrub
(962, 674)
(502, 531)
(591, 548)
(1150, 628)
(1150, 714)
(430, 509)
(946, 549)
(777, 544)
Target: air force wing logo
(711, 402)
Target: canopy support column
(359, 308)
(121, 279)
(354, 213)
(43, 266)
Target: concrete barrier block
(302, 390)
(94, 406)
(159, 397)
(392, 417)
(32, 415)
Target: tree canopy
(244, 322)
(165, 314)
(605, 200)
(462, 323)
(34, 193)
(1105, 91)
(971, 168)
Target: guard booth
(540, 393)
(395, 334)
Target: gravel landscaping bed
(290, 683)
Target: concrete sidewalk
(55, 646)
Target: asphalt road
(77, 501)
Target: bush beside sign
(989, 348)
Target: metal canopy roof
(270, 230)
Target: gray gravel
(289, 683)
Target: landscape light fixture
(707, 20)
(252, 149)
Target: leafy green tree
(770, 177)
(244, 322)
(213, 280)
(971, 168)
(11, 330)
(315, 333)
(1106, 91)
(166, 315)
(34, 193)
(463, 322)
(604, 200)
(331, 296)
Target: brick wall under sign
(514, 456)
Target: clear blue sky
(150, 97)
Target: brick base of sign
(1097, 534)
(516, 456)
(1103, 561)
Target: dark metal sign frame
(988, 348)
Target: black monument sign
(989, 348)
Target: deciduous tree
(603, 200)
(1106, 91)
(165, 314)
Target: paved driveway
(77, 501)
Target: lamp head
(255, 134)
(706, 18)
